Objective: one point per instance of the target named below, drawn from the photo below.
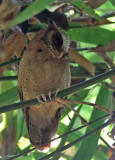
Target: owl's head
(57, 40)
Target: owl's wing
(20, 93)
(26, 109)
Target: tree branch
(61, 93)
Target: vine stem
(61, 93)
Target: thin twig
(84, 49)
(79, 26)
(69, 101)
(10, 62)
(8, 78)
(63, 1)
(21, 154)
(108, 14)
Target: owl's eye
(39, 50)
(57, 40)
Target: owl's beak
(62, 55)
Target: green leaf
(87, 9)
(37, 27)
(112, 2)
(68, 128)
(10, 96)
(25, 158)
(91, 35)
(89, 145)
(5, 85)
(35, 8)
(100, 155)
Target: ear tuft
(52, 25)
(57, 40)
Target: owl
(44, 68)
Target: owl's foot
(57, 90)
(42, 98)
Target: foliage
(12, 125)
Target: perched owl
(44, 67)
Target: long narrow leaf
(9, 96)
(32, 10)
(91, 35)
(89, 145)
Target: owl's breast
(40, 78)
